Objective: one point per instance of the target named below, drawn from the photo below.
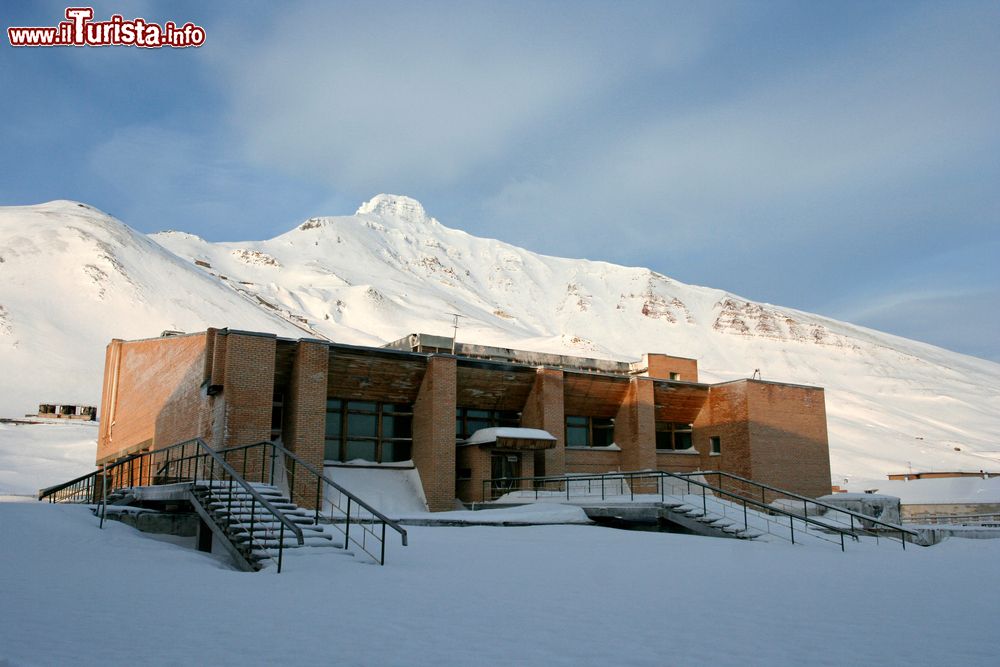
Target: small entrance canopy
(517, 439)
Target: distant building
(462, 419)
(66, 411)
(947, 498)
(934, 474)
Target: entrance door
(504, 466)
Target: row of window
(370, 431)
(383, 432)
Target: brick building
(460, 413)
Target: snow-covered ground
(544, 595)
(34, 456)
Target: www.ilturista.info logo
(80, 30)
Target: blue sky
(841, 158)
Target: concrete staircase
(696, 520)
(670, 512)
(250, 536)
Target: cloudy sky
(837, 157)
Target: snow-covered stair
(253, 532)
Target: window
(589, 431)
(378, 432)
(675, 376)
(470, 420)
(277, 412)
(673, 436)
(716, 443)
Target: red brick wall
(152, 397)
(635, 426)
(788, 437)
(248, 388)
(772, 433)
(305, 413)
(477, 460)
(725, 415)
(662, 365)
(434, 433)
(592, 461)
(672, 462)
(544, 409)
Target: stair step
(295, 517)
(245, 497)
(289, 542)
(259, 555)
(240, 491)
(274, 526)
(256, 507)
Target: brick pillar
(248, 395)
(305, 414)
(434, 433)
(544, 409)
(635, 430)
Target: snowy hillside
(71, 278)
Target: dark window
(470, 420)
(589, 431)
(675, 375)
(673, 436)
(277, 412)
(716, 442)
(378, 432)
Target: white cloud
(422, 95)
(833, 147)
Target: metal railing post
(281, 545)
(104, 497)
(319, 491)
(347, 525)
(382, 554)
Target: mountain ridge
(391, 269)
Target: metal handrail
(659, 474)
(50, 491)
(235, 477)
(146, 462)
(288, 523)
(322, 479)
(813, 501)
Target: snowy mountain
(72, 278)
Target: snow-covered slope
(72, 278)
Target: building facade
(422, 400)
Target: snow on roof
(945, 490)
(485, 435)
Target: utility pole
(454, 335)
